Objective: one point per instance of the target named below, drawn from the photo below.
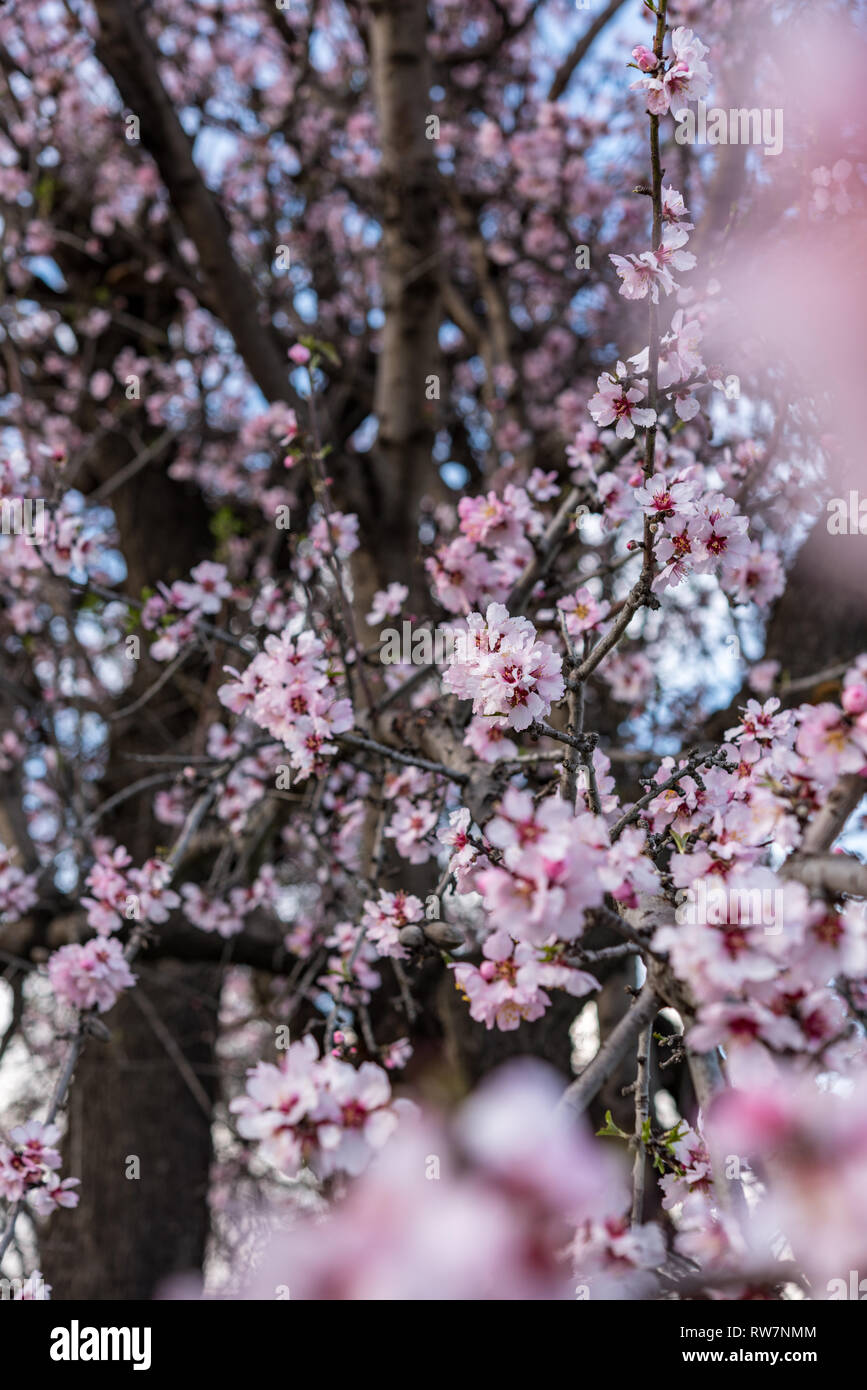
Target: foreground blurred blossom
(318, 1111)
(810, 1146)
(482, 1208)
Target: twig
(693, 763)
(642, 1112)
(158, 684)
(135, 465)
(409, 759)
(174, 1051)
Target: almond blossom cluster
(508, 673)
(350, 976)
(317, 1111)
(18, 890)
(811, 1142)
(494, 544)
(553, 866)
(384, 919)
(543, 869)
(680, 361)
(332, 539)
(683, 77)
(29, 1169)
(90, 975)
(616, 1260)
(755, 948)
(226, 913)
(201, 596)
(509, 986)
(702, 533)
(650, 272)
(118, 893)
(244, 785)
(288, 689)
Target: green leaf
(326, 350)
(610, 1129)
(224, 524)
(674, 1136)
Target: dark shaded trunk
(130, 1101)
(129, 1097)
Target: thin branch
(563, 75)
(158, 684)
(135, 465)
(642, 1113)
(408, 759)
(578, 1096)
(192, 1082)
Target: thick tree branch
(578, 1096)
(126, 53)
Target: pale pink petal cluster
(92, 975)
(508, 673)
(384, 919)
(289, 690)
(549, 870)
(617, 401)
(18, 890)
(509, 986)
(684, 77)
(320, 1112)
(29, 1166)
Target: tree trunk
(129, 1097)
(139, 1222)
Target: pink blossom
(488, 740)
(410, 828)
(383, 920)
(37, 1143)
(513, 1178)
(54, 1194)
(207, 592)
(506, 671)
(387, 602)
(614, 402)
(645, 58)
(583, 611)
(287, 690)
(322, 1112)
(659, 498)
(92, 975)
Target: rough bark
(128, 1099)
(409, 351)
